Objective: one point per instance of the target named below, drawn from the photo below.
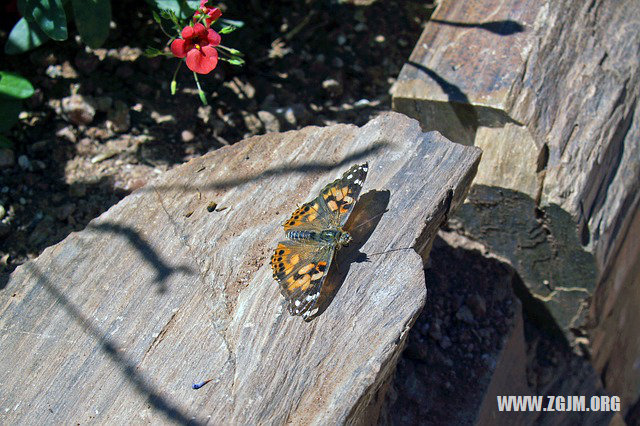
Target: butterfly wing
(332, 207)
(340, 196)
(311, 216)
(300, 267)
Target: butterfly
(314, 233)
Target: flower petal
(214, 13)
(187, 32)
(178, 48)
(210, 52)
(213, 37)
(202, 61)
(199, 30)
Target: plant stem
(203, 98)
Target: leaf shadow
(363, 221)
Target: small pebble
(187, 136)
(7, 158)
(332, 86)
(24, 163)
(445, 342)
(464, 314)
(477, 304)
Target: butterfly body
(337, 237)
(314, 233)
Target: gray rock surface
(549, 91)
(115, 323)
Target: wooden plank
(115, 323)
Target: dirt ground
(102, 122)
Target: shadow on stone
(287, 168)
(162, 268)
(540, 242)
(458, 118)
(454, 349)
(128, 368)
(506, 27)
(363, 221)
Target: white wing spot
(310, 313)
(349, 177)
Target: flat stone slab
(173, 286)
(549, 91)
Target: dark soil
(314, 62)
(454, 347)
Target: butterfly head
(344, 239)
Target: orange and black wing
(340, 196)
(300, 267)
(332, 207)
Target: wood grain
(115, 323)
(549, 91)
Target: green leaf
(49, 15)
(15, 86)
(238, 24)
(171, 16)
(174, 86)
(182, 8)
(9, 110)
(152, 52)
(92, 19)
(23, 37)
(233, 51)
(156, 17)
(228, 29)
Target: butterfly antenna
(389, 251)
(201, 384)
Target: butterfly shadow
(364, 219)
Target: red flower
(197, 44)
(213, 13)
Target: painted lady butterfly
(314, 231)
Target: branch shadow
(128, 368)
(363, 221)
(284, 169)
(505, 27)
(460, 105)
(458, 119)
(162, 268)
